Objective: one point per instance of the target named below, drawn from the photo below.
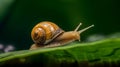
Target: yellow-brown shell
(45, 32)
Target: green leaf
(104, 52)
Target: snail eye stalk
(86, 29)
(78, 27)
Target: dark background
(17, 18)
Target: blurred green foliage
(5, 7)
(19, 16)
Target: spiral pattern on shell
(45, 32)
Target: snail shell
(44, 32)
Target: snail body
(48, 34)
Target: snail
(48, 34)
